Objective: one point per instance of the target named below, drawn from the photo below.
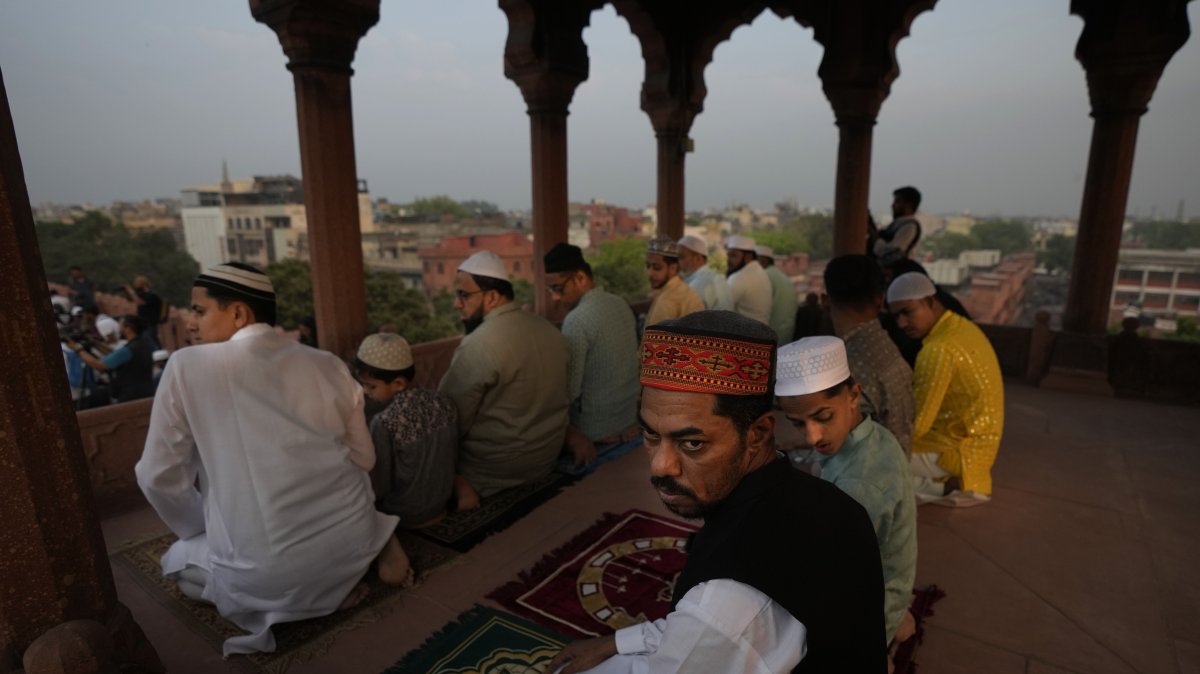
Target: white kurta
(718, 626)
(257, 458)
(751, 291)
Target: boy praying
(415, 436)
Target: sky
(989, 114)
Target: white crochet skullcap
(485, 263)
(694, 244)
(911, 285)
(811, 365)
(740, 243)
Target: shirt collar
(857, 436)
(252, 330)
(862, 329)
(942, 326)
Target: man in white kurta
(257, 458)
(749, 286)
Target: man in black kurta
(785, 573)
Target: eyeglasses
(558, 288)
(462, 295)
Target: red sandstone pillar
(672, 156)
(852, 189)
(53, 563)
(548, 145)
(320, 39)
(1124, 48)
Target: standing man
(149, 306)
(257, 458)
(675, 298)
(82, 289)
(602, 379)
(897, 241)
(821, 399)
(783, 295)
(854, 285)
(785, 573)
(693, 268)
(959, 395)
(508, 381)
(749, 285)
(132, 363)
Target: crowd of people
(109, 359)
(261, 458)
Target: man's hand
(583, 449)
(74, 345)
(583, 655)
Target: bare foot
(355, 597)
(466, 498)
(394, 567)
(908, 627)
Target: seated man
(132, 363)
(786, 567)
(783, 295)
(257, 458)
(749, 285)
(415, 436)
(959, 394)
(820, 397)
(603, 377)
(854, 286)
(508, 381)
(694, 269)
(675, 298)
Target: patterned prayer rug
(922, 608)
(462, 531)
(296, 641)
(619, 572)
(484, 641)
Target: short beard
(470, 323)
(733, 270)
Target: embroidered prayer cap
(563, 257)
(910, 286)
(765, 251)
(664, 247)
(719, 352)
(385, 351)
(485, 263)
(740, 243)
(810, 365)
(240, 279)
(694, 244)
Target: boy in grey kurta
(415, 436)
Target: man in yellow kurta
(959, 396)
(675, 299)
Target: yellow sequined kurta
(960, 401)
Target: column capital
(545, 55)
(316, 34)
(1124, 47)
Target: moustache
(668, 485)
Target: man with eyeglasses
(603, 375)
(508, 381)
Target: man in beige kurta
(675, 298)
(508, 381)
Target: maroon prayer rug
(619, 572)
(922, 608)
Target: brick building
(996, 296)
(439, 263)
(1157, 283)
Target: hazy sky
(989, 114)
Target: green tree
(1167, 235)
(437, 206)
(1006, 236)
(1059, 253)
(783, 241)
(620, 268)
(389, 301)
(112, 255)
(480, 208)
(522, 292)
(948, 245)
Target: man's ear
(242, 315)
(761, 433)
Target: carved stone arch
(545, 54)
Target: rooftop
(1083, 561)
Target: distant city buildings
(439, 263)
(1156, 283)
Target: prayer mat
(922, 608)
(462, 531)
(619, 572)
(295, 641)
(484, 641)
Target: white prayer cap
(240, 279)
(810, 365)
(160, 355)
(911, 285)
(485, 263)
(77, 310)
(740, 243)
(765, 251)
(694, 244)
(386, 351)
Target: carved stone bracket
(317, 33)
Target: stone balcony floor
(1085, 560)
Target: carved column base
(89, 647)
(1079, 364)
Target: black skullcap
(563, 257)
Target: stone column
(855, 110)
(54, 566)
(319, 39)
(672, 157)
(1124, 48)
